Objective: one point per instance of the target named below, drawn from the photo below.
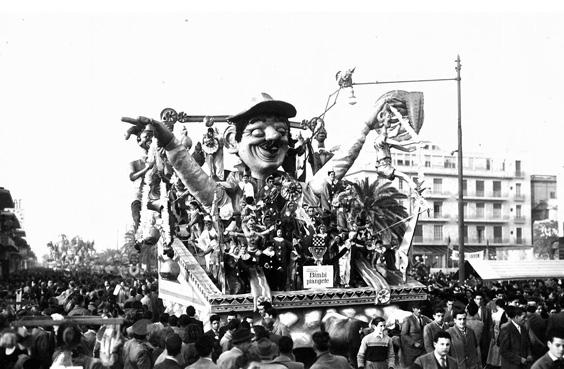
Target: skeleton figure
(392, 128)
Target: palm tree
(380, 204)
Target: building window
(518, 212)
(437, 185)
(488, 164)
(465, 208)
(428, 163)
(518, 172)
(400, 161)
(400, 184)
(437, 209)
(464, 187)
(497, 211)
(497, 233)
(480, 188)
(466, 234)
(517, 189)
(438, 232)
(497, 188)
(480, 234)
(552, 194)
(480, 210)
(519, 235)
(449, 163)
(418, 233)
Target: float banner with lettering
(318, 276)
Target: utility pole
(461, 265)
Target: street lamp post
(460, 181)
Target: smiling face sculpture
(263, 144)
(261, 134)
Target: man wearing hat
(259, 136)
(136, 352)
(241, 340)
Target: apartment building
(497, 206)
(543, 197)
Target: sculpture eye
(257, 132)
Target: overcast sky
(68, 75)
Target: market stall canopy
(489, 270)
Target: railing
(499, 240)
(519, 219)
(490, 218)
(519, 174)
(519, 197)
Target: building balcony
(520, 220)
(499, 240)
(475, 241)
(430, 241)
(435, 217)
(492, 242)
(437, 194)
(519, 174)
(520, 198)
(473, 218)
(486, 196)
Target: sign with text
(318, 276)
(478, 255)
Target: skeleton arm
(343, 159)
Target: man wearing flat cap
(136, 352)
(241, 340)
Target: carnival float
(228, 240)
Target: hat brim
(242, 339)
(278, 107)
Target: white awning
(511, 270)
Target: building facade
(497, 205)
(543, 197)
(15, 252)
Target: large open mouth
(268, 150)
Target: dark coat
(288, 362)
(330, 361)
(513, 346)
(464, 348)
(168, 364)
(429, 332)
(412, 336)
(545, 362)
(428, 361)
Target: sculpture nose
(271, 134)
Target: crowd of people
(505, 325)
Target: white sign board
(318, 276)
(478, 255)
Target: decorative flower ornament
(291, 190)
